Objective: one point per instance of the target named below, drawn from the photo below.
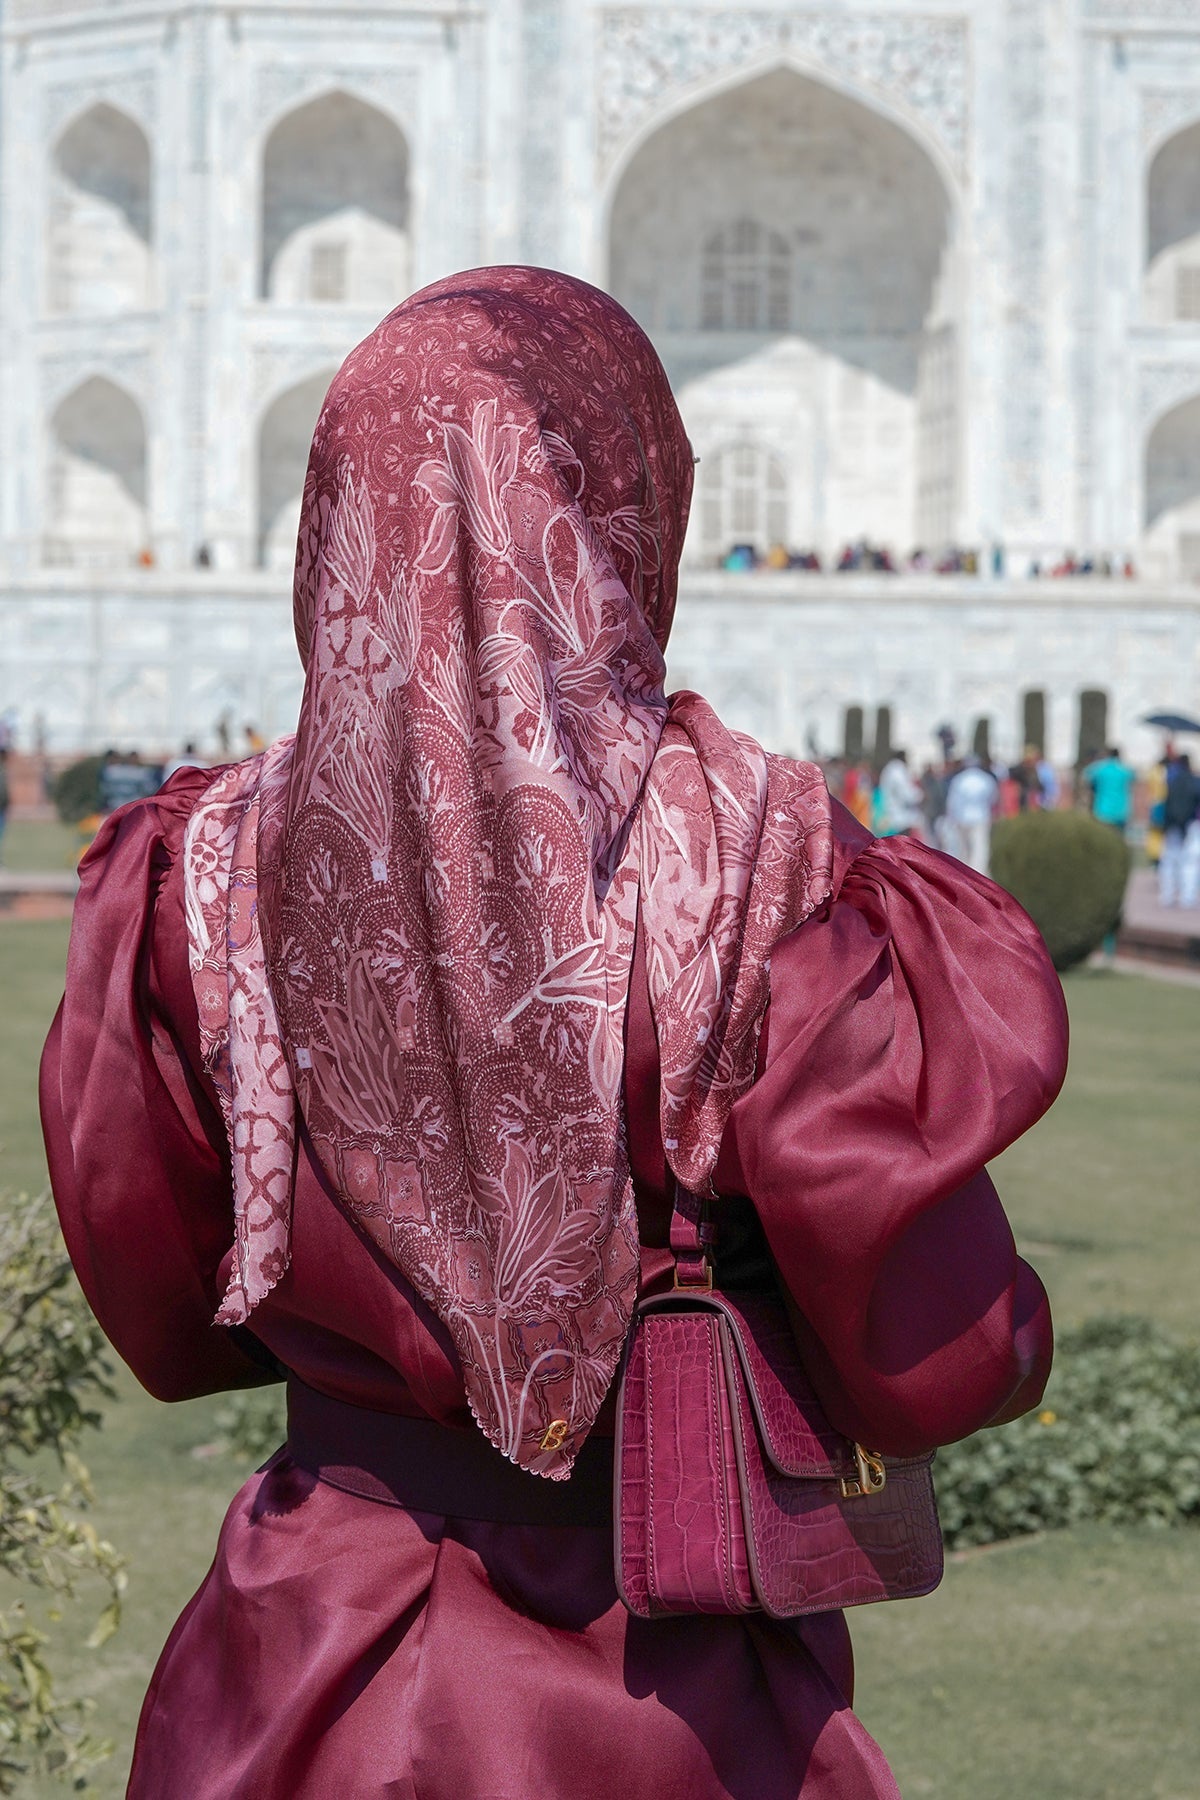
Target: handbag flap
(796, 1435)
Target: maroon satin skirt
(348, 1646)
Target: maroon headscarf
(418, 918)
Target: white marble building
(924, 273)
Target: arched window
(1173, 230)
(1171, 546)
(284, 440)
(745, 279)
(335, 227)
(96, 481)
(743, 500)
(99, 227)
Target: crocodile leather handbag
(733, 1491)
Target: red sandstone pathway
(1143, 913)
(37, 894)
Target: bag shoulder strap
(693, 1232)
(693, 1239)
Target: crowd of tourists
(951, 805)
(863, 557)
(954, 804)
(126, 775)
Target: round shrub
(1069, 873)
(77, 790)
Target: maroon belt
(432, 1468)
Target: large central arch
(790, 250)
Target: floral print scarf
(414, 921)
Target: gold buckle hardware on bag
(871, 1477)
(699, 1287)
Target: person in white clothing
(1051, 786)
(970, 802)
(903, 800)
(187, 760)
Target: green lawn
(32, 955)
(1055, 1668)
(1103, 1193)
(40, 844)
(1061, 1668)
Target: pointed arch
(687, 97)
(137, 706)
(335, 206)
(1171, 511)
(792, 249)
(96, 512)
(100, 228)
(1172, 287)
(284, 439)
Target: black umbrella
(1172, 721)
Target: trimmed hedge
(76, 791)
(1117, 1440)
(1069, 873)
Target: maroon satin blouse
(915, 1029)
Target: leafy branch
(52, 1368)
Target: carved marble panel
(131, 91)
(1138, 10)
(1027, 59)
(646, 57)
(130, 369)
(35, 12)
(275, 368)
(1162, 385)
(1164, 111)
(279, 86)
(541, 138)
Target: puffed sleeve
(916, 1028)
(135, 1142)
